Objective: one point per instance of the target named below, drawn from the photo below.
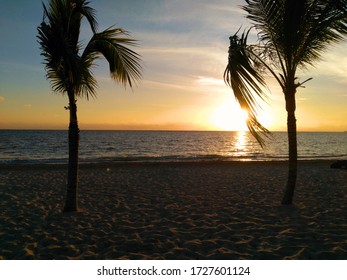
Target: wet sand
(207, 210)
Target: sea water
(51, 146)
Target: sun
(229, 118)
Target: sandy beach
(207, 210)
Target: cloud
(333, 64)
(14, 66)
(27, 105)
(209, 81)
(2, 99)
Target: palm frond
(266, 17)
(125, 64)
(88, 83)
(298, 30)
(58, 38)
(67, 70)
(326, 24)
(292, 34)
(241, 75)
(82, 8)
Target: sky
(184, 48)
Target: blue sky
(184, 46)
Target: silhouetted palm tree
(69, 66)
(292, 34)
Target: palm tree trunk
(292, 145)
(71, 201)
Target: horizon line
(170, 130)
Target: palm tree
(292, 34)
(69, 66)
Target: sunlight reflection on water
(241, 143)
(106, 146)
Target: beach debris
(341, 164)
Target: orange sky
(184, 48)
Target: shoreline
(83, 164)
(174, 210)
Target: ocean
(51, 146)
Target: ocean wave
(50, 147)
